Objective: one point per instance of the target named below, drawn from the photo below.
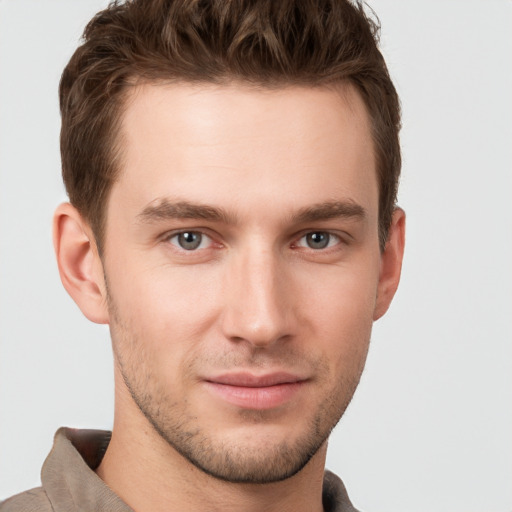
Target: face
(242, 267)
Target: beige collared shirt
(69, 483)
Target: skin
(262, 180)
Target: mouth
(257, 392)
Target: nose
(258, 307)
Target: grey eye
(189, 240)
(318, 239)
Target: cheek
(341, 315)
(164, 309)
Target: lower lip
(267, 397)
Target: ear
(80, 267)
(391, 264)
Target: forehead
(213, 144)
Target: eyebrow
(164, 209)
(330, 210)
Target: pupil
(318, 240)
(190, 240)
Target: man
(232, 170)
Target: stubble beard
(225, 460)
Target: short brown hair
(269, 43)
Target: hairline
(345, 87)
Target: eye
(190, 240)
(318, 240)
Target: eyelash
(330, 237)
(176, 236)
(329, 246)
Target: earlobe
(80, 266)
(391, 264)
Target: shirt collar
(68, 475)
(71, 484)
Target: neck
(149, 475)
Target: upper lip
(249, 380)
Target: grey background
(430, 428)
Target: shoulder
(34, 500)
(334, 496)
